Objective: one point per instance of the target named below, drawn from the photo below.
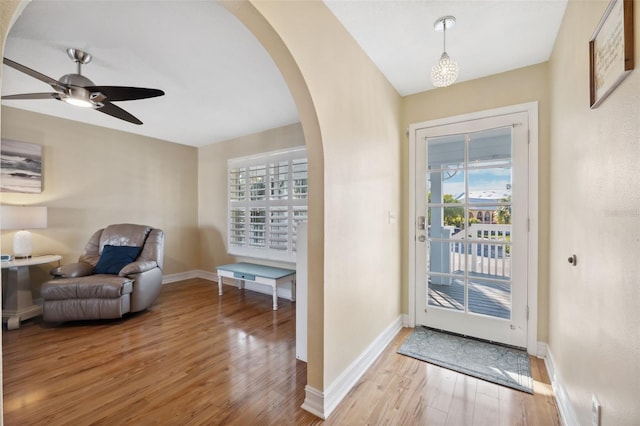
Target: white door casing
(519, 327)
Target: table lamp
(22, 218)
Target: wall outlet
(595, 411)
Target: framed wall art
(21, 169)
(611, 50)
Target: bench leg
(219, 285)
(275, 297)
(293, 290)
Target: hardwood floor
(196, 359)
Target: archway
(256, 23)
(275, 46)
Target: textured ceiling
(219, 81)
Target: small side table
(18, 302)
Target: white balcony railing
(488, 250)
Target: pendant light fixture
(445, 72)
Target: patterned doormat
(498, 364)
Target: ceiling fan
(78, 90)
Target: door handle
(422, 238)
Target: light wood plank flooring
(195, 358)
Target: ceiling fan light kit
(445, 72)
(78, 90)
(79, 102)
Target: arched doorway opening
(256, 23)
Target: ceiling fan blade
(117, 112)
(123, 93)
(35, 74)
(52, 95)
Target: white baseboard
(171, 278)
(206, 275)
(284, 290)
(542, 350)
(406, 322)
(565, 408)
(314, 402)
(322, 404)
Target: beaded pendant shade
(445, 72)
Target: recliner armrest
(138, 267)
(72, 270)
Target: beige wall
(594, 311)
(509, 88)
(359, 118)
(93, 176)
(212, 187)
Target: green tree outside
(503, 214)
(453, 215)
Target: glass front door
(471, 254)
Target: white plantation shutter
(267, 200)
(237, 226)
(279, 228)
(299, 215)
(257, 227)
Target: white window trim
(265, 159)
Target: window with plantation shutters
(267, 200)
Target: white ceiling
(219, 81)
(489, 37)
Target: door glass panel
(446, 292)
(445, 186)
(489, 260)
(469, 222)
(489, 298)
(489, 185)
(446, 152)
(490, 147)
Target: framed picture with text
(611, 50)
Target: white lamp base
(22, 244)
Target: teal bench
(270, 275)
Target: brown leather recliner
(119, 271)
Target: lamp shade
(23, 217)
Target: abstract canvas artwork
(21, 169)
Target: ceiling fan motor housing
(76, 80)
(77, 95)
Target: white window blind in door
(267, 199)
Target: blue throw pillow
(114, 258)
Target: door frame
(531, 108)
